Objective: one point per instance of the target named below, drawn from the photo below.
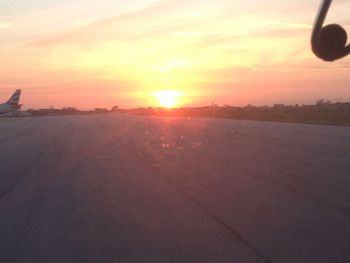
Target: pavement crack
(234, 233)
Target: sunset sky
(100, 53)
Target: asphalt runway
(120, 188)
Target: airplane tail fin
(14, 100)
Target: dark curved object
(330, 42)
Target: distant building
(100, 110)
(279, 105)
(323, 102)
(250, 106)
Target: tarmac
(122, 188)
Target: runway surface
(120, 188)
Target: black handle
(329, 42)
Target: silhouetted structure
(324, 112)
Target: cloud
(155, 44)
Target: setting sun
(167, 98)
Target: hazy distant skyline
(100, 53)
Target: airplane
(12, 106)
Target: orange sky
(100, 53)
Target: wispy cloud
(156, 44)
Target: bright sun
(167, 98)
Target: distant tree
(115, 108)
(319, 102)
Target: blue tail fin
(14, 100)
